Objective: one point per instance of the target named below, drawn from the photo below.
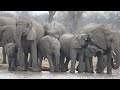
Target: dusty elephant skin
(7, 28)
(49, 47)
(27, 34)
(106, 39)
(54, 29)
(72, 47)
(11, 51)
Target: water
(5, 74)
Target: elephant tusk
(114, 53)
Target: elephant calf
(49, 47)
(89, 52)
(11, 51)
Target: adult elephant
(49, 47)
(27, 34)
(7, 28)
(107, 40)
(72, 47)
(54, 29)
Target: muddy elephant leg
(100, 64)
(109, 57)
(66, 63)
(4, 56)
(26, 60)
(35, 66)
(30, 61)
(62, 65)
(50, 63)
(81, 66)
(21, 62)
(73, 56)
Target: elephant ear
(31, 35)
(75, 43)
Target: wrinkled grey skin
(11, 51)
(7, 27)
(27, 34)
(49, 47)
(107, 40)
(72, 47)
(54, 29)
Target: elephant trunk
(115, 64)
(18, 38)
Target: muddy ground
(5, 74)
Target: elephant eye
(27, 26)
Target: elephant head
(79, 40)
(24, 28)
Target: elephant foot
(109, 71)
(80, 71)
(21, 68)
(52, 69)
(89, 71)
(36, 69)
(4, 62)
(63, 70)
(72, 70)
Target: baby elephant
(49, 47)
(89, 52)
(11, 51)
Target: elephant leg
(91, 64)
(87, 65)
(13, 64)
(35, 66)
(21, 62)
(100, 64)
(4, 56)
(73, 55)
(9, 62)
(26, 60)
(62, 65)
(57, 59)
(50, 63)
(66, 63)
(109, 57)
(40, 58)
(30, 61)
(81, 66)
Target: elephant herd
(23, 36)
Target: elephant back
(99, 33)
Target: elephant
(11, 51)
(72, 47)
(7, 28)
(89, 52)
(49, 47)
(54, 29)
(106, 39)
(27, 34)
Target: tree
(73, 20)
(51, 15)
